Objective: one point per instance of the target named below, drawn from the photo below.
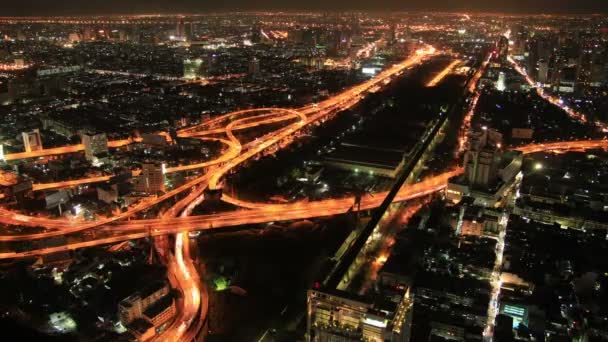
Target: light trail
(12, 218)
(180, 266)
(64, 150)
(14, 67)
(262, 213)
(185, 272)
(278, 115)
(441, 75)
(167, 225)
(380, 250)
(495, 281)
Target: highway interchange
(182, 272)
(177, 220)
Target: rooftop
(160, 306)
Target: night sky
(72, 7)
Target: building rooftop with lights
(335, 315)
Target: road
(227, 161)
(259, 212)
(177, 220)
(555, 100)
(65, 149)
(442, 74)
(180, 267)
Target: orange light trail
(440, 76)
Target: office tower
(532, 59)
(501, 83)
(74, 37)
(481, 160)
(32, 140)
(342, 43)
(256, 33)
(543, 71)
(180, 30)
(95, 144)
(520, 37)
(392, 33)
(189, 31)
(152, 178)
(88, 34)
(254, 66)
(502, 49)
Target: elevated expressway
(177, 220)
(259, 212)
(181, 270)
(235, 155)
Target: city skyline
(304, 176)
(109, 7)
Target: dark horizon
(117, 7)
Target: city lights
(415, 175)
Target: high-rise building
(194, 68)
(520, 37)
(488, 170)
(4, 51)
(341, 316)
(501, 83)
(532, 58)
(32, 140)
(567, 79)
(254, 66)
(189, 31)
(543, 71)
(482, 159)
(481, 167)
(75, 37)
(152, 178)
(502, 49)
(341, 44)
(256, 34)
(180, 30)
(95, 144)
(134, 34)
(392, 33)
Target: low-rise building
(134, 306)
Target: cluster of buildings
(33, 83)
(548, 290)
(436, 284)
(567, 191)
(562, 57)
(123, 187)
(340, 316)
(562, 60)
(147, 312)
